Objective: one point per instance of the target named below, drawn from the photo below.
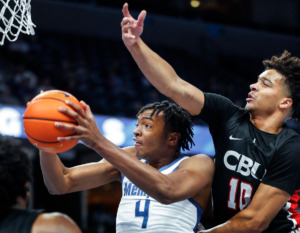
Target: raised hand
(87, 130)
(131, 28)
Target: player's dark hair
(176, 120)
(289, 67)
(15, 172)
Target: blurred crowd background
(102, 72)
(216, 45)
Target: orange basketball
(40, 116)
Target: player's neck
(21, 204)
(270, 125)
(166, 160)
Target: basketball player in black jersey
(257, 173)
(15, 175)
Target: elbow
(258, 225)
(262, 227)
(56, 191)
(165, 196)
(165, 200)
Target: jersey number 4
(245, 194)
(142, 213)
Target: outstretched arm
(264, 206)
(60, 179)
(157, 70)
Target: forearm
(53, 173)
(161, 75)
(240, 223)
(164, 78)
(232, 228)
(149, 179)
(256, 218)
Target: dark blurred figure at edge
(15, 178)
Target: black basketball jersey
(246, 156)
(18, 221)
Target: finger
(127, 21)
(77, 129)
(75, 107)
(126, 34)
(141, 18)
(125, 10)
(66, 126)
(88, 110)
(72, 114)
(69, 138)
(83, 104)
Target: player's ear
(286, 103)
(173, 138)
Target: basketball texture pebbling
(39, 118)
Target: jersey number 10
(245, 194)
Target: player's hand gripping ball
(39, 118)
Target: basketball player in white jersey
(162, 191)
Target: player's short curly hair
(176, 120)
(289, 67)
(15, 171)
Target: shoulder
(217, 107)
(55, 222)
(211, 98)
(200, 162)
(291, 145)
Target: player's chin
(140, 154)
(248, 106)
(137, 153)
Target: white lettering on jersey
(241, 164)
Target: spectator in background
(6, 97)
(15, 177)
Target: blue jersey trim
(199, 211)
(169, 165)
(122, 179)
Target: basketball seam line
(40, 140)
(46, 119)
(52, 98)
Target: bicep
(91, 175)
(192, 177)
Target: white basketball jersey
(139, 212)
